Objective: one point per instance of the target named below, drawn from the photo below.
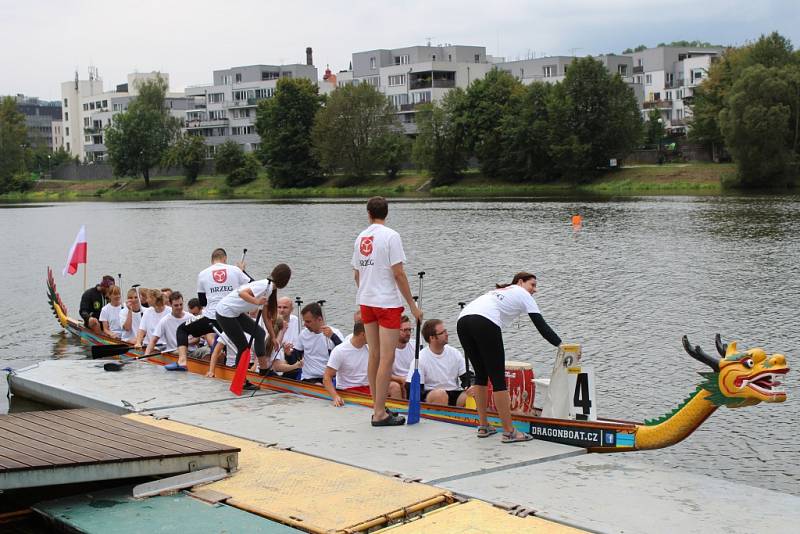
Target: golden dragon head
(740, 378)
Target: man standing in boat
(213, 283)
(377, 262)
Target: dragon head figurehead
(740, 378)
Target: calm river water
(639, 274)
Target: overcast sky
(44, 42)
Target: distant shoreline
(668, 179)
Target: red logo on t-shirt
(366, 246)
(220, 276)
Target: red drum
(521, 389)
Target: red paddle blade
(237, 384)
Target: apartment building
(417, 74)
(226, 109)
(89, 110)
(668, 75)
(40, 116)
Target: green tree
(246, 172)
(346, 131)
(524, 135)
(13, 142)
(188, 152)
(488, 101)
(441, 145)
(654, 129)
(393, 151)
(284, 123)
(761, 124)
(139, 138)
(594, 117)
(228, 157)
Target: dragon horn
(698, 354)
(721, 347)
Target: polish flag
(77, 253)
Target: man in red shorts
(382, 285)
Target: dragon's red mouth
(765, 383)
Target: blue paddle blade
(413, 401)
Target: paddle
(117, 366)
(237, 384)
(106, 351)
(299, 302)
(413, 398)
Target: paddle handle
(421, 274)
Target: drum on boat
(521, 388)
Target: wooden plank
(8, 463)
(66, 453)
(210, 496)
(158, 446)
(179, 482)
(111, 453)
(174, 437)
(97, 437)
(42, 455)
(71, 444)
(22, 458)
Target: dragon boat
(736, 379)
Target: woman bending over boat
(232, 314)
(479, 331)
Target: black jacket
(92, 302)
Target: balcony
(194, 124)
(638, 70)
(657, 104)
(249, 103)
(92, 131)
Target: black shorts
(452, 396)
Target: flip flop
(392, 420)
(174, 367)
(486, 431)
(516, 437)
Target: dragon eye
(748, 363)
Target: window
(241, 130)
(372, 63)
(270, 75)
(97, 105)
(91, 105)
(398, 100)
(450, 57)
(668, 95)
(565, 69)
(477, 58)
(105, 104)
(638, 79)
(639, 62)
(549, 71)
(86, 122)
(216, 114)
(264, 93)
(679, 113)
(286, 74)
(404, 59)
(433, 57)
(679, 94)
(66, 103)
(66, 130)
(216, 98)
(87, 139)
(66, 115)
(622, 70)
(421, 97)
(399, 79)
(238, 77)
(227, 79)
(656, 96)
(648, 79)
(86, 107)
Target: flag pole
(84, 270)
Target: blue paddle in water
(413, 397)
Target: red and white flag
(77, 253)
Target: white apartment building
(668, 75)
(89, 110)
(226, 109)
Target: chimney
(309, 60)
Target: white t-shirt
(216, 281)
(232, 305)
(166, 328)
(440, 371)
(404, 359)
(376, 250)
(316, 351)
(150, 321)
(110, 314)
(130, 335)
(502, 306)
(350, 364)
(290, 336)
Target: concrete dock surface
(605, 493)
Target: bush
(246, 173)
(19, 182)
(229, 157)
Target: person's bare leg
(373, 343)
(388, 341)
(95, 326)
(395, 391)
(182, 351)
(437, 396)
(503, 404)
(481, 402)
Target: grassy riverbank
(677, 179)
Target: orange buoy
(577, 221)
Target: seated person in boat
(151, 317)
(442, 368)
(109, 315)
(92, 302)
(315, 343)
(194, 307)
(163, 336)
(403, 359)
(130, 316)
(285, 309)
(166, 292)
(348, 365)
